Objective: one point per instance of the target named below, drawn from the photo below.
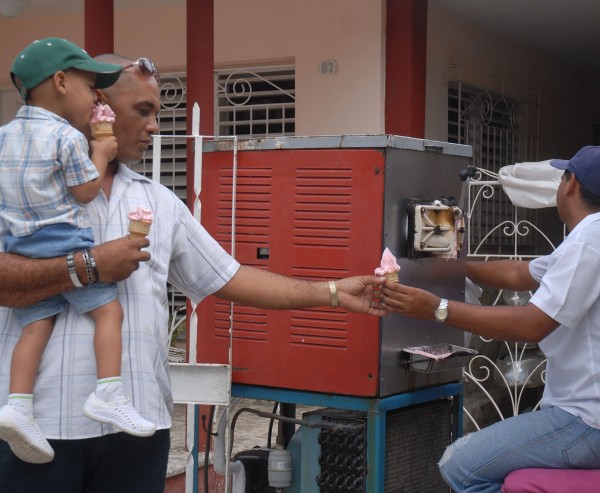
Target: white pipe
(236, 468)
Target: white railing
(522, 367)
(194, 383)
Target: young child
(46, 175)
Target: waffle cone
(101, 130)
(138, 229)
(392, 277)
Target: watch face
(442, 312)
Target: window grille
(255, 102)
(502, 131)
(172, 120)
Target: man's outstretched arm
(24, 281)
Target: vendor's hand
(361, 294)
(409, 301)
(118, 259)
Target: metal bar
(353, 403)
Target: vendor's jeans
(549, 438)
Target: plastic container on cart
(436, 358)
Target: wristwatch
(441, 314)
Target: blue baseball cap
(586, 167)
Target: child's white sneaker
(24, 436)
(119, 413)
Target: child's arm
(24, 281)
(103, 152)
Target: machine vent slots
(323, 204)
(253, 208)
(318, 327)
(249, 323)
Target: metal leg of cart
(376, 410)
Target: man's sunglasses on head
(146, 67)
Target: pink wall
(352, 32)
(158, 33)
(257, 32)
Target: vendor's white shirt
(183, 253)
(569, 293)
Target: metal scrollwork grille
(256, 102)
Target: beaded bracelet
(88, 267)
(93, 265)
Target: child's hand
(106, 148)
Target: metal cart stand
(377, 410)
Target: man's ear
(60, 82)
(572, 185)
(100, 97)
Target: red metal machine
(325, 208)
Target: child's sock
(22, 403)
(109, 389)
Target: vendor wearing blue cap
(563, 316)
(585, 165)
(46, 177)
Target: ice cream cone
(389, 267)
(101, 130)
(392, 277)
(139, 229)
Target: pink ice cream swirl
(142, 215)
(388, 264)
(102, 113)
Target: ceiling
(568, 29)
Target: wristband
(333, 294)
(72, 271)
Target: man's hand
(504, 323)
(409, 301)
(118, 259)
(361, 294)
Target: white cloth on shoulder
(532, 185)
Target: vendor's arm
(24, 281)
(505, 323)
(502, 274)
(262, 289)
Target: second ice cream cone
(139, 229)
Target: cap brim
(106, 73)
(559, 163)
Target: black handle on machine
(465, 175)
